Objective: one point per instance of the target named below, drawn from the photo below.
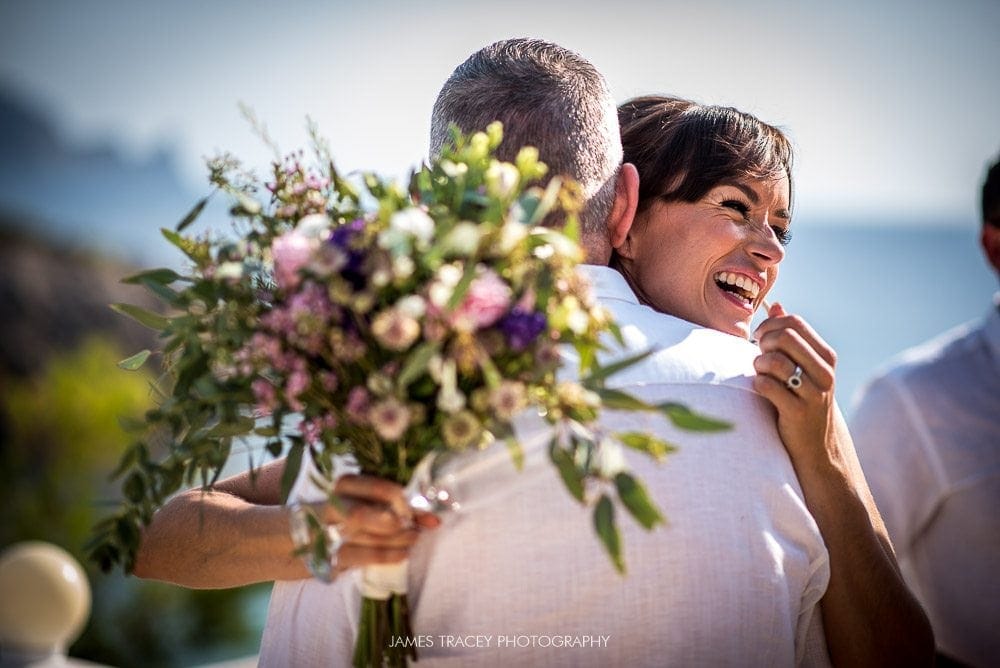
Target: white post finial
(44, 603)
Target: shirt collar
(608, 283)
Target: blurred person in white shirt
(928, 433)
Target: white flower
(463, 239)
(313, 226)
(415, 222)
(403, 266)
(232, 271)
(413, 306)
(501, 179)
(512, 234)
(608, 458)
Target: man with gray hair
(550, 98)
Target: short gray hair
(548, 97)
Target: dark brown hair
(991, 196)
(683, 149)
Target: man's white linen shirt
(927, 432)
(733, 579)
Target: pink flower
(357, 405)
(486, 301)
(390, 419)
(297, 383)
(292, 251)
(265, 396)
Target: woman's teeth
(738, 285)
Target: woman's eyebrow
(745, 189)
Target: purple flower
(522, 327)
(343, 237)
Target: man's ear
(626, 201)
(990, 238)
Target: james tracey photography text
(499, 641)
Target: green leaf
(134, 487)
(142, 316)
(516, 452)
(636, 499)
(162, 276)
(463, 285)
(647, 443)
(604, 522)
(597, 377)
(622, 401)
(417, 362)
(135, 361)
(238, 427)
(568, 470)
(292, 464)
(192, 214)
(167, 295)
(684, 418)
(190, 248)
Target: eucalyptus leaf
(601, 373)
(292, 464)
(607, 531)
(417, 362)
(238, 427)
(637, 501)
(647, 443)
(622, 401)
(516, 452)
(142, 316)
(135, 361)
(572, 476)
(685, 418)
(162, 276)
(192, 214)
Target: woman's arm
(870, 616)
(238, 534)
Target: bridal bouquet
(387, 324)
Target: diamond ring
(794, 381)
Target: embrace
(774, 552)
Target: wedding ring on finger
(794, 381)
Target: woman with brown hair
(712, 221)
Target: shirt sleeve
(899, 459)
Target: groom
(735, 578)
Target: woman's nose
(765, 247)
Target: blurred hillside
(52, 297)
(86, 195)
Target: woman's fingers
(375, 490)
(791, 343)
(779, 320)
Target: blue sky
(892, 104)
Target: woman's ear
(623, 211)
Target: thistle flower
(389, 418)
(395, 330)
(461, 430)
(508, 399)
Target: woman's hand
(869, 616)
(808, 419)
(375, 521)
